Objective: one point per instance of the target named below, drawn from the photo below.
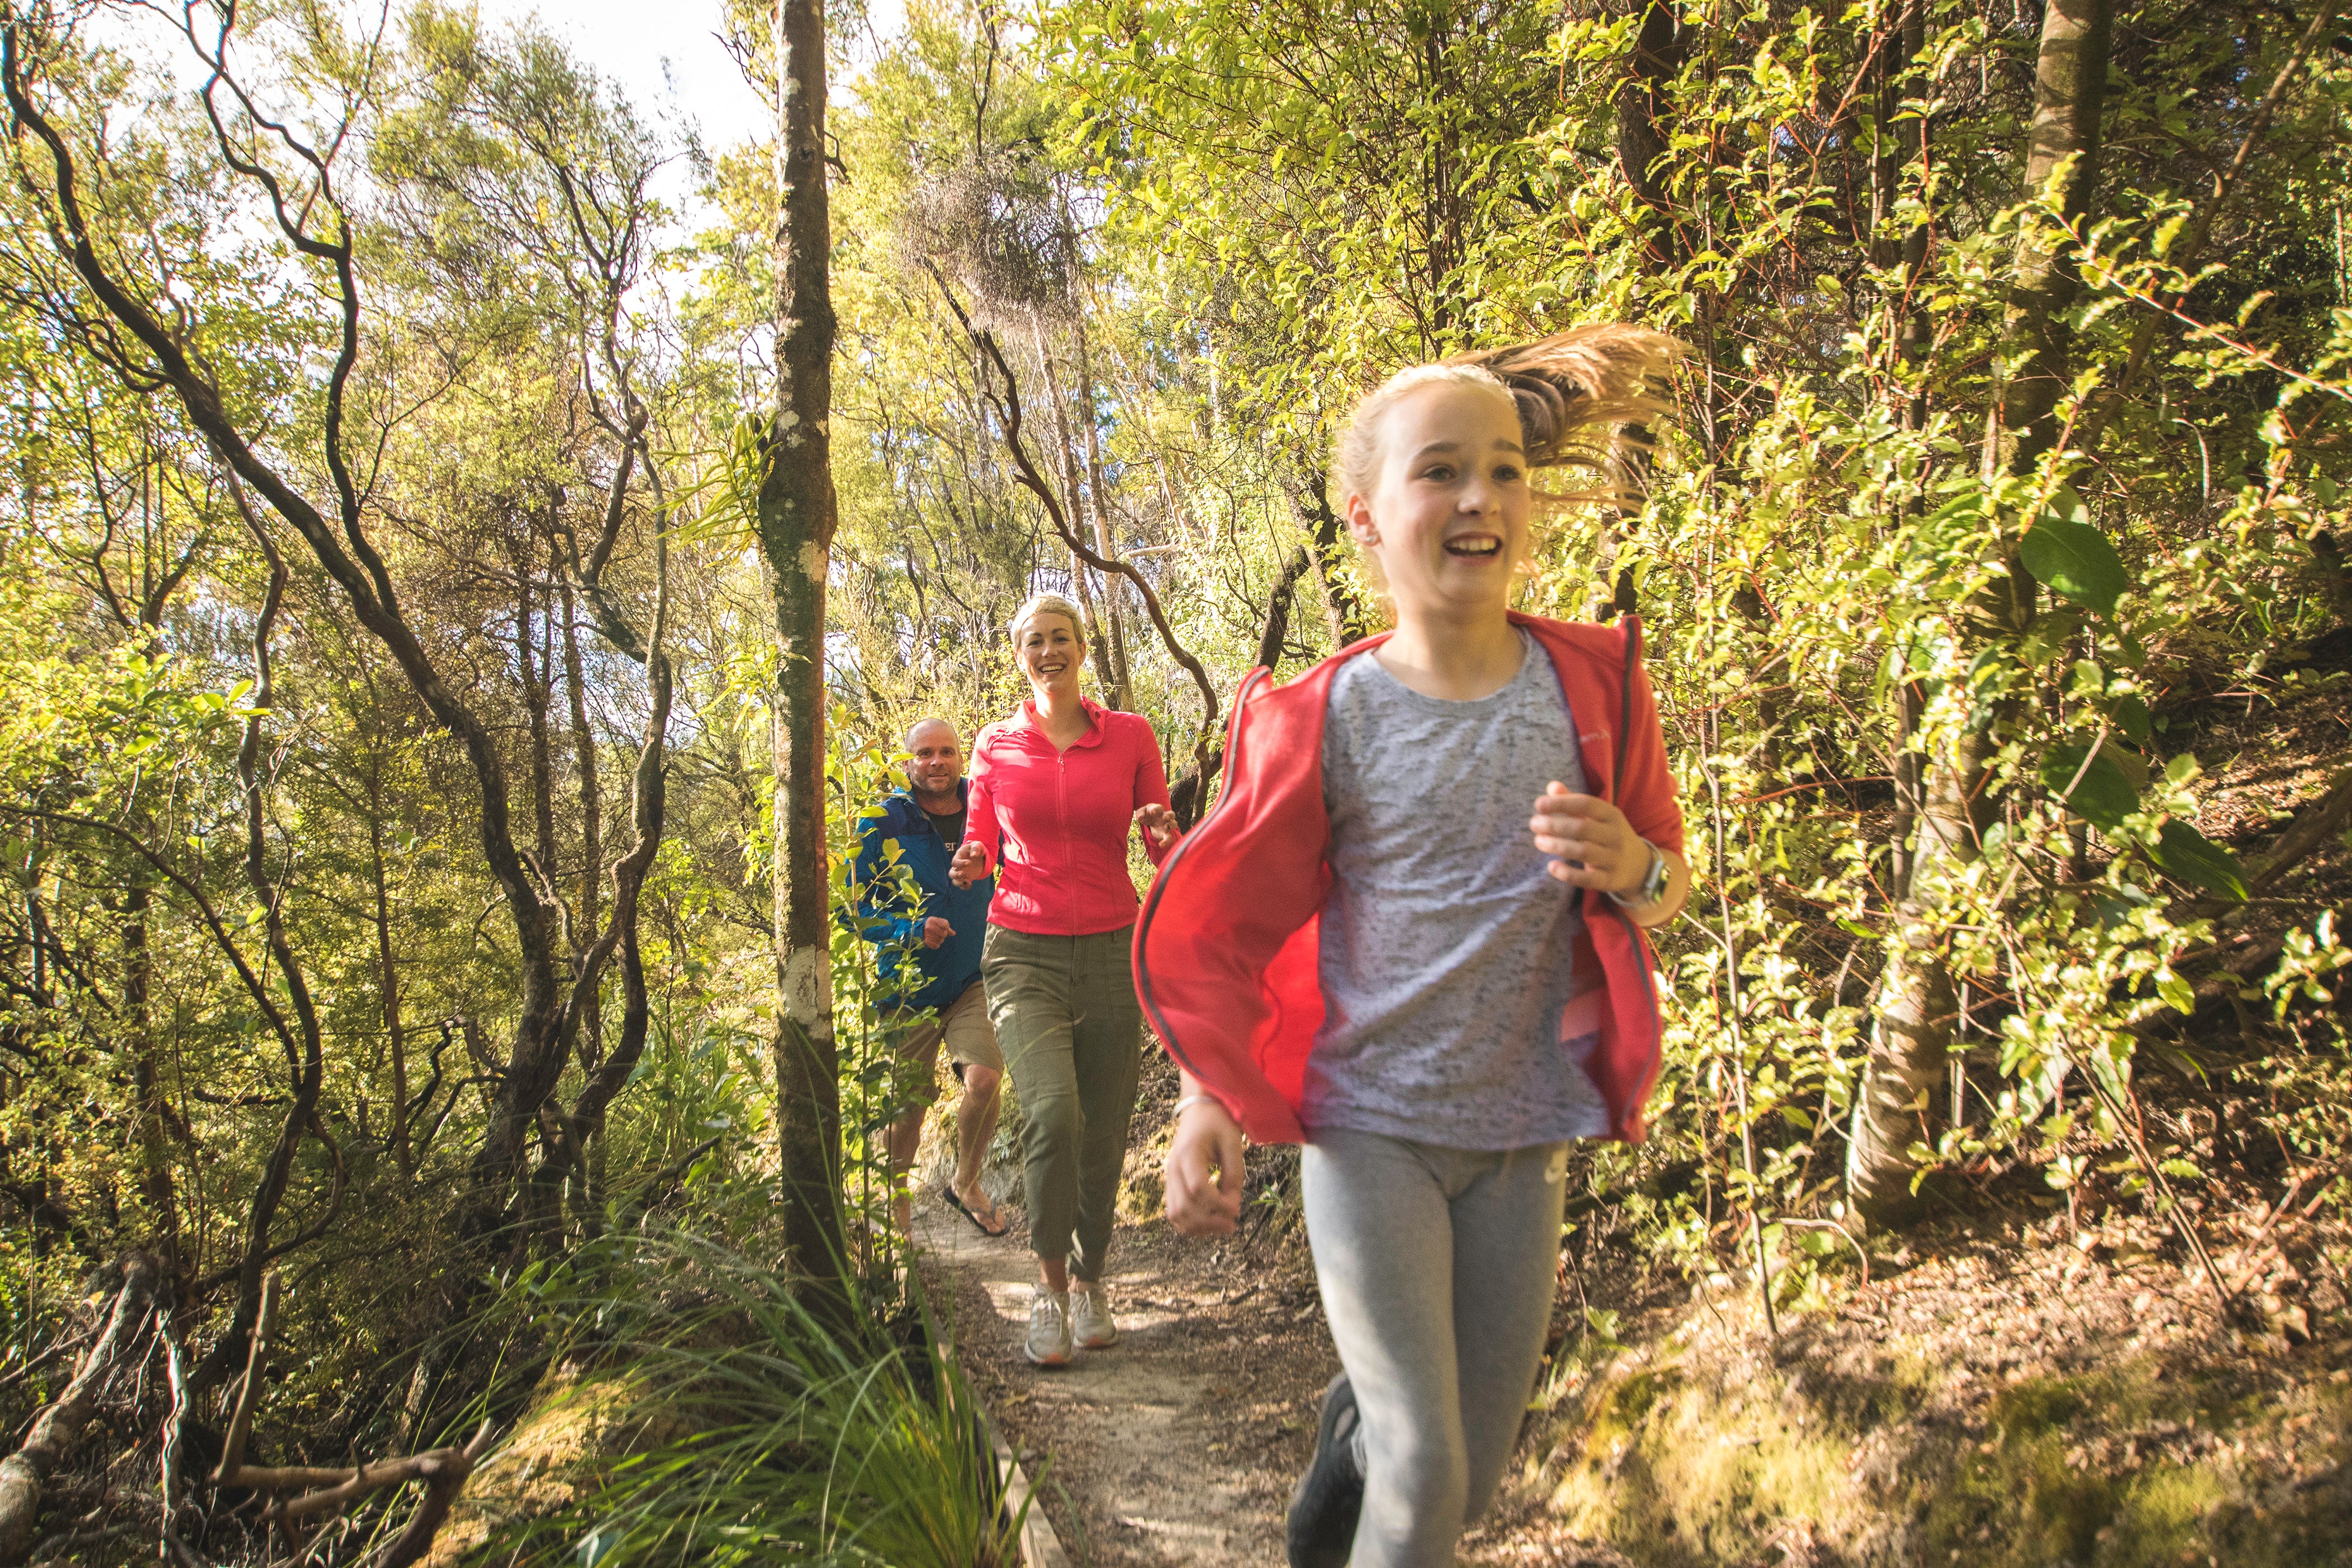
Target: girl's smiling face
(1448, 517)
(1049, 653)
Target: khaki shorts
(963, 1024)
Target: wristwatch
(1653, 881)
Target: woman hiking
(1056, 790)
(1410, 936)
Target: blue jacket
(891, 913)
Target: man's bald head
(934, 762)
(915, 732)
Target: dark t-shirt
(950, 828)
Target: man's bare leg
(905, 1136)
(975, 1125)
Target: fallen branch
(438, 1466)
(57, 1428)
(2312, 828)
(65, 1346)
(66, 1549)
(176, 1438)
(443, 1470)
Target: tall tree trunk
(1905, 255)
(534, 657)
(155, 1185)
(1906, 42)
(1101, 630)
(1442, 195)
(2069, 90)
(1114, 616)
(796, 513)
(388, 973)
(589, 916)
(1917, 1003)
(1348, 617)
(1659, 48)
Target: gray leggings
(1437, 1268)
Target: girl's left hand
(1159, 823)
(1588, 830)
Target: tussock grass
(705, 1411)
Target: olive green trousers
(1072, 1033)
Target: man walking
(942, 926)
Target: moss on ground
(1706, 1459)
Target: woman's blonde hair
(1576, 393)
(1049, 604)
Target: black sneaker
(1323, 1504)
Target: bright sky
(674, 67)
(666, 57)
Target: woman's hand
(1591, 844)
(1207, 1137)
(970, 860)
(1158, 823)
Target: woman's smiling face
(1448, 518)
(1049, 653)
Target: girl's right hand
(969, 864)
(1207, 1137)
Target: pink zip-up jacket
(1227, 955)
(1054, 824)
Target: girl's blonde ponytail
(1577, 393)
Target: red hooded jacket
(1226, 943)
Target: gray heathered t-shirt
(1445, 946)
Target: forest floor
(1179, 1443)
(2001, 1392)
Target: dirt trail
(1179, 1443)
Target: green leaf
(2130, 714)
(2077, 562)
(1969, 505)
(2176, 991)
(2187, 855)
(2104, 794)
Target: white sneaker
(1049, 1329)
(1090, 1323)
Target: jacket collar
(1095, 713)
(910, 810)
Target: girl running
(1368, 946)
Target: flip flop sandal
(948, 1196)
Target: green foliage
(734, 1424)
(2064, 550)
(1842, 585)
(1927, 701)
